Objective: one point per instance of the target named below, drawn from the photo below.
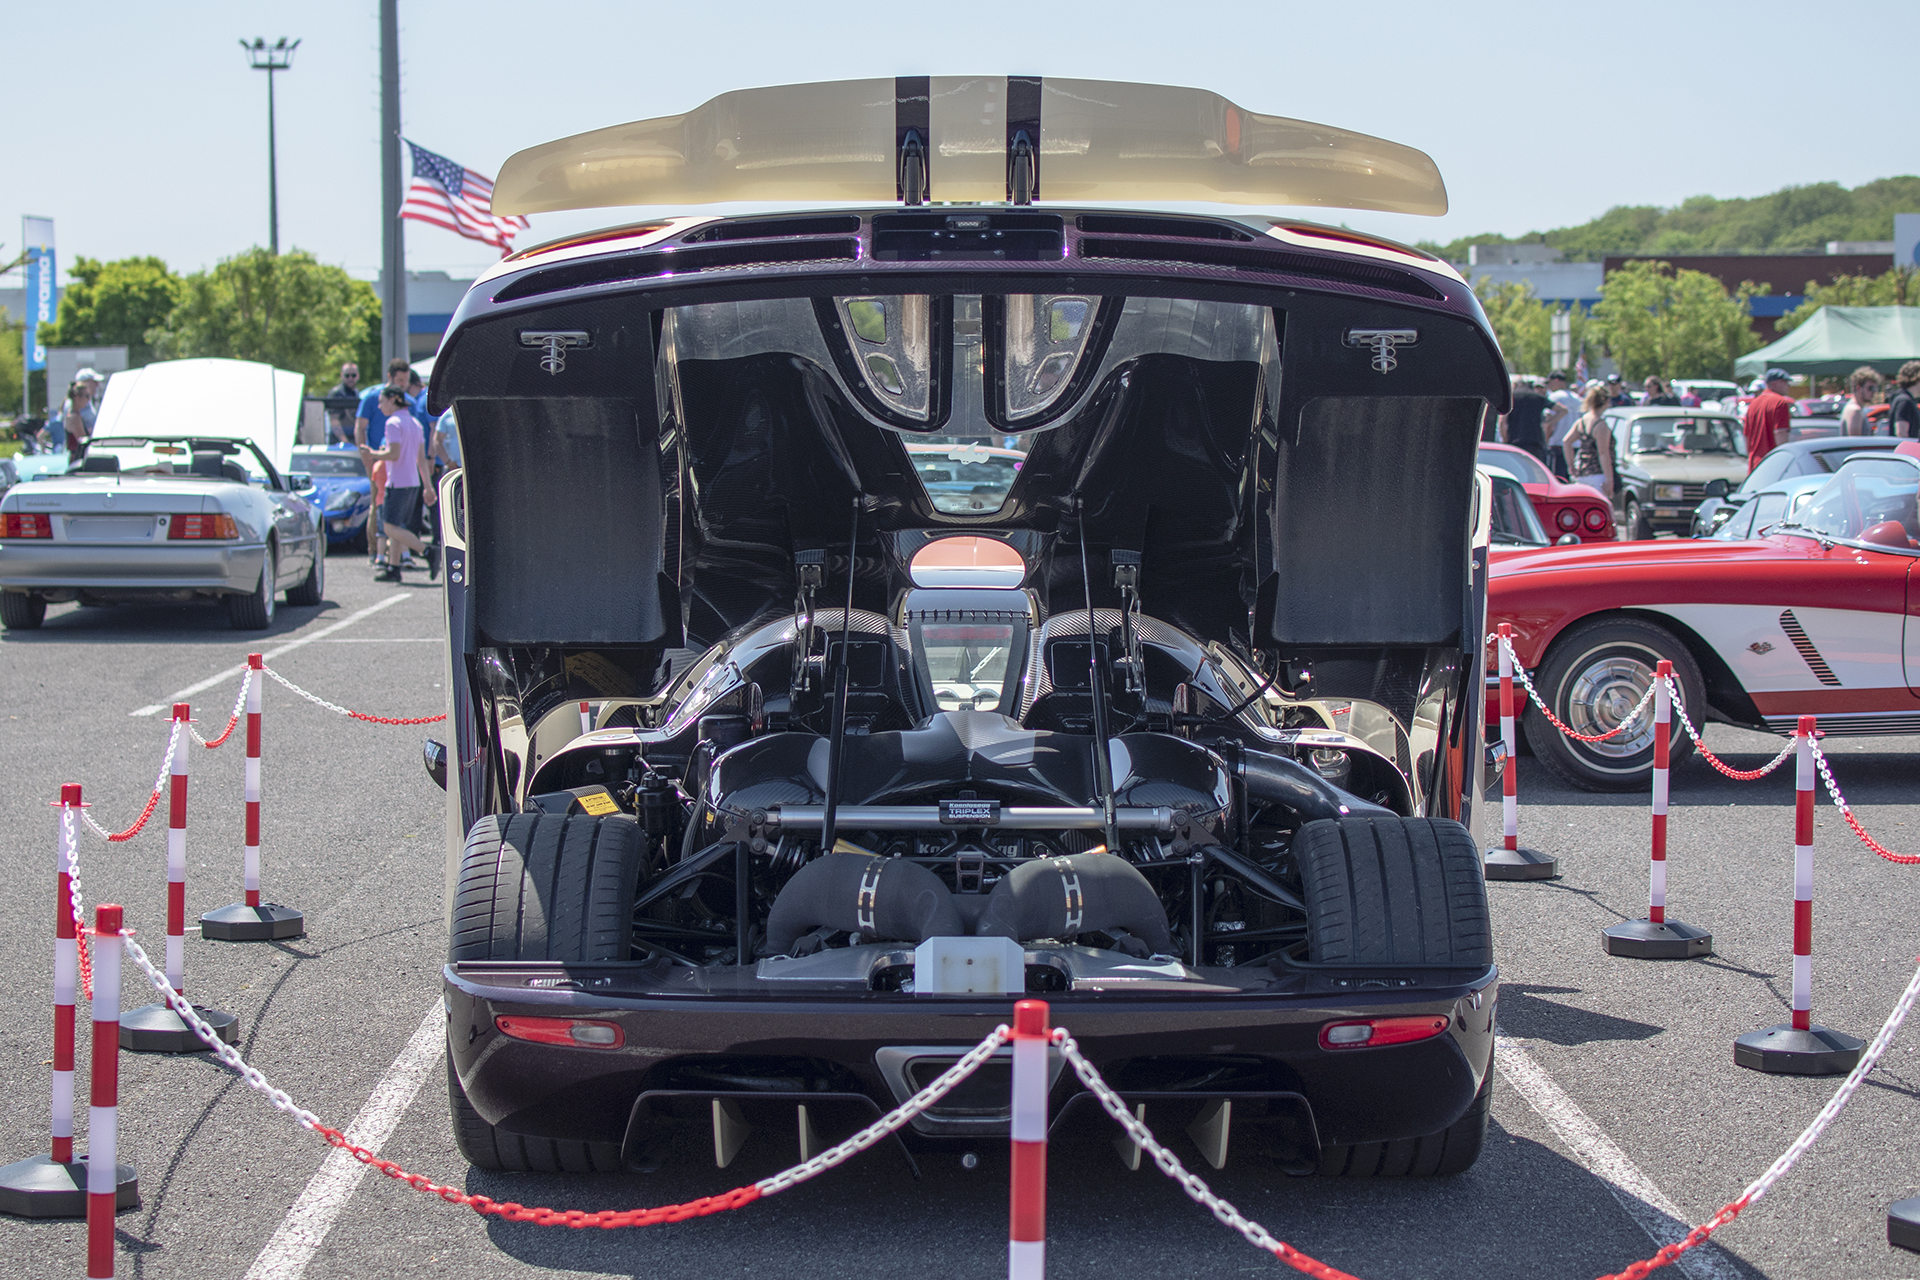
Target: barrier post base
(1785, 1050)
(1903, 1224)
(41, 1187)
(239, 922)
(1645, 940)
(156, 1028)
(1520, 864)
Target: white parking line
(305, 1228)
(1644, 1202)
(288, 647)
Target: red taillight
(1596, 519)
(1567, 518)
(213, 526)
(1371, 1033)
(579, 1033)
(26, 525)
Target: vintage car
(342, 492)
(1573, 512)
(1815, 618)
(1664, 459)
(1194, 754)
(172, 502)
(1796, 459)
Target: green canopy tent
(1835, 341)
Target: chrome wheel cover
(1600, 692)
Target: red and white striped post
(1027, 1204)
(1656, 937)
(54, 1186)
(1510, 861)
(1800, 1048)
(156, 1028)
(252, 920)
(103, 1115)
(586, 718)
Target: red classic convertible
(1820, 617)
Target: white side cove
(1862, 648)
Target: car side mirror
(1718, 488)
(434, 755)
(299, 481)
(1567, 540)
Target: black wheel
(1398, 890)
(22, 612)
(314, 585)
(1592, 677)
(254, 611)
(537, 886)
(1638, 527)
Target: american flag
(447, 195)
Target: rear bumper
(217, 567)
(1271, 1037)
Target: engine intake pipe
(1276, 780)
(1085, 893)
(875, 897)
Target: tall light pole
(393, 241)
(271, 58)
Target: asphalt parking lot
(1639, 1053)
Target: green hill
(1789, 220)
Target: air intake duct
(1086, 893)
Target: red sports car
(1563, 508)
(1820, 617)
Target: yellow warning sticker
(599, 804)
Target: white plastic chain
(166, 767)
(279, 1098)
(239, 703)
(74, 900)
(1680, 714)
(1190, 1182)
(887, 1124)
(1846, 812)
(314, 699)
(1526, 682)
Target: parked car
(1664, 459)
(1810, 619)
(154, 516)
(1797, 458)
(9, 476)
(342, 491)
(784, 883)
(1572, 512)
(1713, 392)
(1769, 506)
(1511, 519)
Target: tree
(1684, 324)
(1523, 324)
(1895, 288)
(284, 309)
(114, 304)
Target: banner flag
(43, 293)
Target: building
(1555, 281)
(1787, 273)
(432, 297)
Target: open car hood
(209, 398)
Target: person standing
(1657, 393)
(1560, 419)
(339, 417)
(1770, 417)
(1522, 426)
(72, 427)
(1589, 445)
(1864, 389)
(404, 449)
(1903, 412)
(369, 432)
(1618, 395)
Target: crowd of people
(404, 457)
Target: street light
(271, 58)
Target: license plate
(109, 528)
(1667, 513)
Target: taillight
(1596, 519)
(1374, 1032)
(1567, 518)
(202, 527)
(581, 1033)
(26, 525)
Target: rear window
(341, 463)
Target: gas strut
(837, 734)
(1102, 760)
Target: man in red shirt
(1769, 418)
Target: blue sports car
(341, 490)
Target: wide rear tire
(1399, 891)
(22, 612)
(538, 886)
(254, 611)
(313, 587)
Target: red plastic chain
(1738, 775)
(1904, 859)
(1554, 720)
(361, 715)
(513, 1212)
(1311, 1266)
(232, 720)
(1640, 1269)
(153, 802)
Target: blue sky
(140, 129)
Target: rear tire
(314, 585)
(539, 886)
(1638, 527)
(1399, 891)
(1591, 675)
(22, 612)
(254, 611)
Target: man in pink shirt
(1769, 418)
(405, 453)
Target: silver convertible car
(164, 517)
